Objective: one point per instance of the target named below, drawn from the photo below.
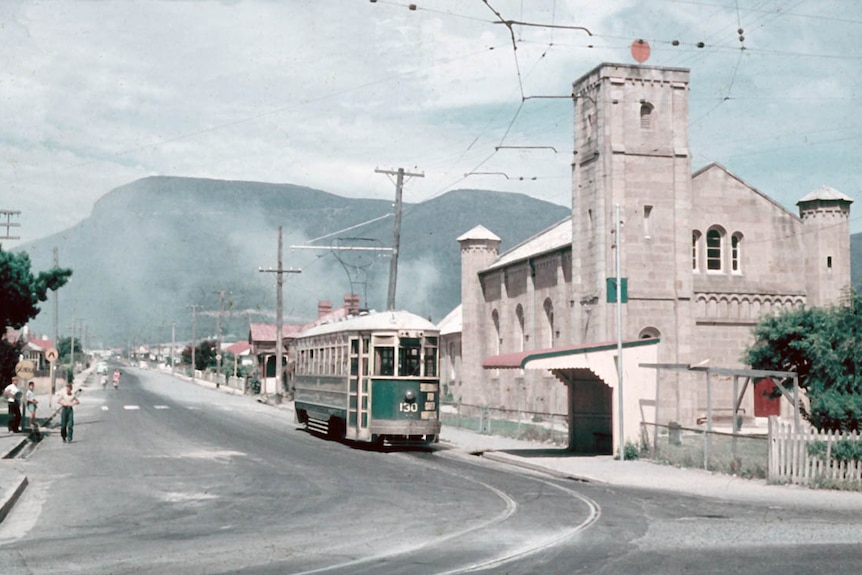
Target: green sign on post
(612, 290)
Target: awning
(566, 357)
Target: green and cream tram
(370, 377)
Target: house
(262, 339)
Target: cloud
(98, 94)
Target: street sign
(51, 354)
(25, 369)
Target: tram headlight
(409, 396)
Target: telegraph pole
(173, 343)
(218, 333)
(396, 233)
(194, 308)
(56, 334)
(279, 339)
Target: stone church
(702, 256)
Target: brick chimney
(351, 302)
(323, 308)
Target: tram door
(358, 391)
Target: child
(32, 403)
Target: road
(167, 477)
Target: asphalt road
(168, 477)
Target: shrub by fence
(526, 425)
(739, 454)
(814, 458)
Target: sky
(467, 93)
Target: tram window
(430, 357)
(408, 357)
(384, 361)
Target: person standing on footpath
(12, 393)
(32, 403)
(67, 399)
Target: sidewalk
(12, 481)
(642, 474)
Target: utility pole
(218, 333)
(173, 344)
(618, 240)
(396, 234)
(56, 334)
(279, 339)
(194, 308)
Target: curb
(501, 458)
(10, 502)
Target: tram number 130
(405, 407)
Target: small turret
(825, 214)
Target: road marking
(104, 408)
(161, 407)
(130, 407)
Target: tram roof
(371, 321)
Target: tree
(822, 345)
(205, 355)
(65, 345)
(20, 294)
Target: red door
(764, 405)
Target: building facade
(703, 255)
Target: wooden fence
(809, 457)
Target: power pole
(218, 333)
(56, 335)
(194, 308)
(173, 343)
(396, 234)
(279, 339)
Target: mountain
(152, 249)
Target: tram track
(469, 539)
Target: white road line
(161, 407)
(130, 407)
(104, 408)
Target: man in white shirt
(12, 393)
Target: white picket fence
(791, 460)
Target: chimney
(323, 308)
(351, 302)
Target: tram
(370, 377)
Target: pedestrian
(67, 399)
(12, 393)
(32, 403)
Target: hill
(152, 249)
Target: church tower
(825, 214)
(631, 150)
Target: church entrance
(590, 412)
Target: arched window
(695, 250)
(646, 115)
(549, 319)
(520, 334)
(649, 333)
(497, 339)
(736, 253)
(714, 239)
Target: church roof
(557, 236)
(479, 233)
(451, 323)
(824, 193)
